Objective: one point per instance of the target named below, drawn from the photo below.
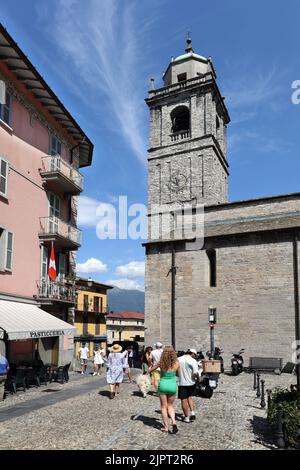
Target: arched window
(212, 276)
(180, 117)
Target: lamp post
(90, 282)
(212, 319)
(258, 386)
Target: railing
(54, 163)
(179, 135)
(56, 290)
(181, 85)
(56, 226)
(90, 309)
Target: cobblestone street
(79, 415)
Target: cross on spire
(189, 44)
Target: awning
(24, 321)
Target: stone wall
(254, 295)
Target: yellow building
(90, 314)
(125, 326)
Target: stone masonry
(252, 240)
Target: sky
(98, 57)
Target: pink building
(42, 149)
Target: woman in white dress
(98, 361)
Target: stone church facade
(247, 265)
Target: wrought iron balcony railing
(55, 229)
(56, 290)
(57, 171)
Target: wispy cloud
(258, 140)
(132, 269)
(103, 42)
(128, 284)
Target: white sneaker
(98, 374)
(82, 373)
(95, 373)
(186, 419)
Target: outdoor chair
(43, 374)
(31, 378)
(66, 372)
(58, 375)
(16, 380)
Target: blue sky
(98, 56)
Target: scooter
(208, 381)
(217, 356)
(237, 362)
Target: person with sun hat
(115, 366)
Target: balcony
(57, 174)
(64, 235)
(81, 308)
(179, 135)
(49, 291)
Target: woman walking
(146, 360)
(98, 361)
(115, 365)
(167, 388)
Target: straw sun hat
(116, 348)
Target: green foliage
(290, 401)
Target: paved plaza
(80, 415)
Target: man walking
(155, 358)
(188, 374)
(83, 354)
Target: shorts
(83, 361)
(186, 391)
(155, 375)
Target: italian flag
(52, 265)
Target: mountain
(123, 299)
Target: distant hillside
(123, 299)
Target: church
(247, 265)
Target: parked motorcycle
(237, 362)
(217, 356)
(208, 380)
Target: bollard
(269, 394)
(263, 401)
(279, 433)
(258, 386)
(254, 383)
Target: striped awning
(27, 321)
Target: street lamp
(212, 319)
(212, 314)
(90, 282)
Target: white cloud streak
(103, 40)
(92, 265)
(128, 284)
(132, 269)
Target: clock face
(178, 182)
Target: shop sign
(44, 334)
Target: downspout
(296, 300)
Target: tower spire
(189, 44)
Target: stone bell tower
(187, 154)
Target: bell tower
(187, 160)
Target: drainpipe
(296, 300)
(173, 272)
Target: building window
(44, 263)
(113, 334)
(55, 145)
(180, 118)
(6, 250)
(181, 77)
(5, 109)
(212, 267)
(85, 303)
(3, 176)
(96, 304)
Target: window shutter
(3, 176)
(2, 92)
(9, 250)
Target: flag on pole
(52, 265)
